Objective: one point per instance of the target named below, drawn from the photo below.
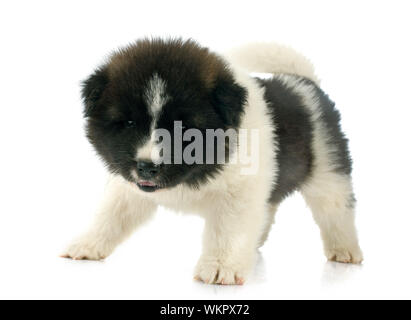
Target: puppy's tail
(272, 58)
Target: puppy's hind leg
(270, 218)
(121, 212)
(331, 200)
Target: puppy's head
(156, 84)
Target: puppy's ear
(92, 89)
(229, 99)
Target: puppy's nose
(147, 169)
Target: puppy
(285, 124)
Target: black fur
(294, 130)
(92, 90)
(229, 101)
(294, 138)
(202, 91)
(337, 140)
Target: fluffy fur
(152, 83)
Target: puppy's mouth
(148, 186)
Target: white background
(51, 180)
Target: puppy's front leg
(230, 242)
(121, 212)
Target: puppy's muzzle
(147, 169)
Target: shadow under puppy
(154, 84)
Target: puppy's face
(154, 85)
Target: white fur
(155, 94)
(237, 216)
(149, 151)
(272, 58)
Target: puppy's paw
(86, 249)
(345, 255)
(214, 272)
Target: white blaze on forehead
(155, 97)
(155, 94)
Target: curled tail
(272, 58)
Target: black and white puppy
(156, 84)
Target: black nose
(147, 169)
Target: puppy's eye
(130, 124)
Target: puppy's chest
(185, 201)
